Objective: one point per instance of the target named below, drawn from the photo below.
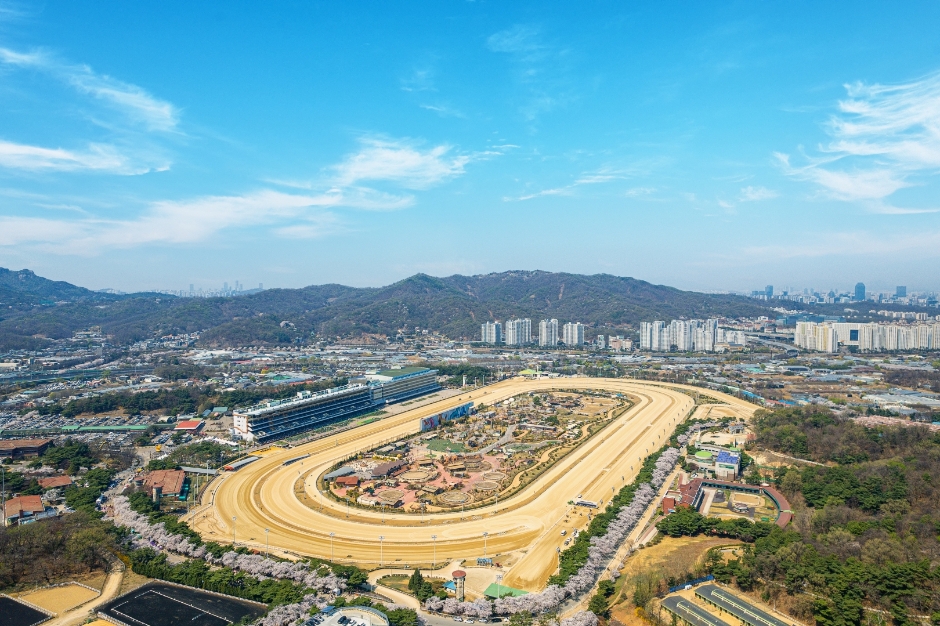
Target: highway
(525, 529)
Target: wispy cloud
(420, 79)
(134, 101)
(597, 177)
(639, 191)
(540, 67)
(401, 162)
(755, 194)
(97, 157)
(170, 222)
(884, 138)
(443, 110)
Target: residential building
(518, 332)
(599, 343)
(548, 332)
(573, 334)
(685, 336)
(867, 337)
(491, 332)
(25, 509)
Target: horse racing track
(162, 604)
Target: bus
(585, 503)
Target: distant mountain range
(26, 288)
(455, 306)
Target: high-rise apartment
(491, 332)
(573, 334)
(518, 332)
(548, 332)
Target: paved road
(262, 495)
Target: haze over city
(153, 146)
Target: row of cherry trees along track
(322, 580)
(602, 549)
(603, 545)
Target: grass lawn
(398, 582)
(443, 445)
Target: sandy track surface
(78, 615)
(62, 598)
(262, 495)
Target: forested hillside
(455, 306)
(863, 547)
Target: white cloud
(639, 191)
(170, 222)
(133, 101)
(400, 162)
(598, 177)
(19, 230)
(443, 110)
(97, 157)
(754, 194)
(542, 68)
(419, 80)
(884, 138)
(520, 39)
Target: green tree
(598, 605)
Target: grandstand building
(408, 382)
(278, 419)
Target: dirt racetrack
(284, 499)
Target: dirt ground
(131, 581)
(672, 556)
(60, 599)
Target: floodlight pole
(267, 543)
(434, 562)
(485, 534)
(381, 550)
(234, 518)
(332, 559)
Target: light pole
(233, 530)
(499, 579)
(484, 543)
(332, 560)
(381, 550)
(558, 551)
(267, 543)
(434, 542)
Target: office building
(860, 292)
(491, 332)
(518, 332)
(900, 291)
(769, 291)
(599, 343)
(573, 334)
(548, 332)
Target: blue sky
(707, 146)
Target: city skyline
(777, 148)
